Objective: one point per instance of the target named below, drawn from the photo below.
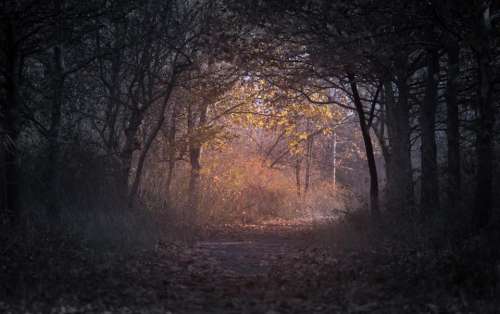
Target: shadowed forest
(249, 156)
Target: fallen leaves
(266, 269)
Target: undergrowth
(419, 257)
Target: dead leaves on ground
(274, 271)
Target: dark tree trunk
(194, 182)
(429, 181)
(485, 135)
(372, 167)
(399, 172)
(52, 176)
(194, 157)
(453, 132)
(307, 178)
(113, 105)
(171, 153)
(379, 129)
(147, 145)
(126, 155)
(394, 196)
(113, 135)
(404, 147)
(9, 116)
(298, 185)
(334, 160)
(136, 180)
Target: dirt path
(234, 269)
(279, 268)
(249, 269)
(270, 269)
(252, 249)
(244, 258)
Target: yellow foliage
(237, 186)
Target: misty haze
(249, 156)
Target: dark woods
(429, 73)
(94, 93)
(86, 88)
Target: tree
(25, 31)
(486, 32)
(429, 181)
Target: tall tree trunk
(398, 169)
(485, 135)
(194, 182)
(404, 147)
(113, 105)
(127, 152)
(298, 185)
(372, 167)
(52, 175)
(453, 132)
(194, 157)
(9, 116)
(379, 129)
(307, 178)
(113, 135)
(147, 145)
(171, 153)
(334, 159)
(429, 181)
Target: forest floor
(269, 268)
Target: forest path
(274, 268)
(250, 250)
(253, 269)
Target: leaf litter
(272, 269)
